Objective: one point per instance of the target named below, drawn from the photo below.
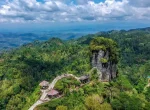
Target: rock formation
(104, 58)
(107, 69)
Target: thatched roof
(44, 83)
(53, 92)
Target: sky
(54, 14)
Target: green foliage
(94, 74)
(147, 94)
(52, 106)
(61, 107)
(95, 102)
(107, 45)
(65, 83)
(103, 60)
(22, 69)
(75, 100)
(125, 83)
(126, 102)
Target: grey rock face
(107, 71)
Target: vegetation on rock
(107, 45)
(22, 69)
(103, 60)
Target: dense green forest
(22, 69)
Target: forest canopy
(107, 45)
(22, 69)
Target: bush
(61, 107)
(103, 60)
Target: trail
(43, 97)
(36, 104)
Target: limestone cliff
(104, 58)
(108, 69)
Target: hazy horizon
(73, 15)
(23, 21)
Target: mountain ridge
(11, 40)
(22, 69)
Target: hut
(84, 79)
(53, 93)
(44, 84)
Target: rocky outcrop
(107, 69)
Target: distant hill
(22, 69)
(13, 40)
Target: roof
(44, 83)
(84, 77)
(53, 92)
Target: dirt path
(43, 98)
(51, 86)
(36, 104)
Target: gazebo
(44, 84)
(53, 93)
(84, 79)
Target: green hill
(22, 69)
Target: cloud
(83, 1)
(73, 10)
(140, 3)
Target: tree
(96, 102)
(61, 107)
(105, 44)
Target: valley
(22, 69)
